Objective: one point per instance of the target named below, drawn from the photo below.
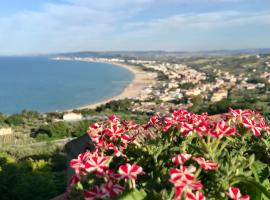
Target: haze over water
(41, 84)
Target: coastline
(141, 79)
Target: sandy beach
(140, 81)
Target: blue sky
(49, 26)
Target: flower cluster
(184, 178)
(215, 154)
(110, 139)
(203, 125)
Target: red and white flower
(206, 164)
(154, 120)
(113, 118)
(74, 180)
(130, 172)
(221, 129)
(235, 194)
(114, 131)
(180, 159)
(240, 113)
(93, 193)
(79, 164)
(251, 124)
(183, 175)
(197, 196)
(110, 189)
(97, 163)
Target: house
(70, 117)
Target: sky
(54, 26)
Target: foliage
(183, 156)
(31, 178)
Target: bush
(177, 157)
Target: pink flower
(251, 124)
(93, 193)
(128, 171)
(114, 131)
(235, 194)
(197, 196)
(180, 159)
(111, 190)
(97, 163)
(206, 164)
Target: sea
(46, 85)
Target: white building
(69, 117)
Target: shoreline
(141, 79)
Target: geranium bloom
(114, 131)
(235, 194)
(97, 163)
(93, 193)
(251, 124)
(181, 158)
(79, 164)
(111, 190)
(128, 171)
(206, 164)
(197, 196)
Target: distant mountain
(162, 54)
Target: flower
(235, 194)
(240, 113)
(97, 163)
(129, 171)
(114, 131)
(154, 120)
(182, 175)
(79, 164)
(167, 123)
(113, 118)
(180, 159)
(221, 129)
(197, 196)
(74, 180)
(206, 164)
(109, 189)
(251, 124)
(93, 193)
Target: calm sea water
(41, 84)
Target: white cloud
(104, 24)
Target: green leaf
(133, 195)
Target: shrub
(182, 156)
